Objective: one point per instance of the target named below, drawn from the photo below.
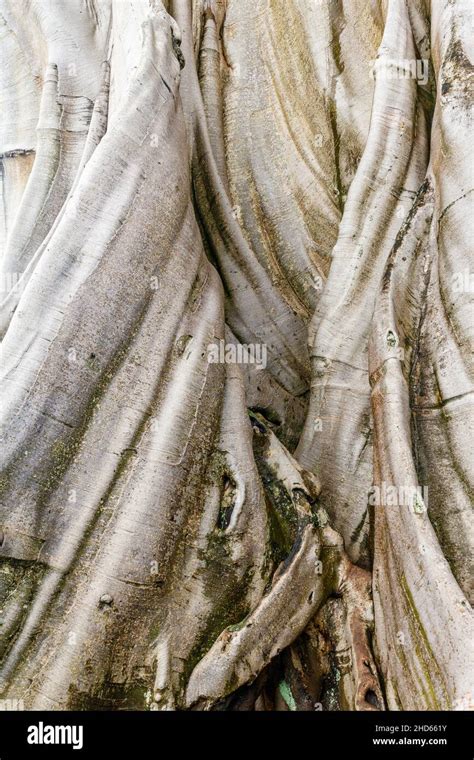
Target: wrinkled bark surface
(180, 533)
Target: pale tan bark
(180, 174)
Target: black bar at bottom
(156, 734)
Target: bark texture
(181, 533)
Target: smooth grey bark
(182, 533)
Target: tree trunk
(236, 355)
